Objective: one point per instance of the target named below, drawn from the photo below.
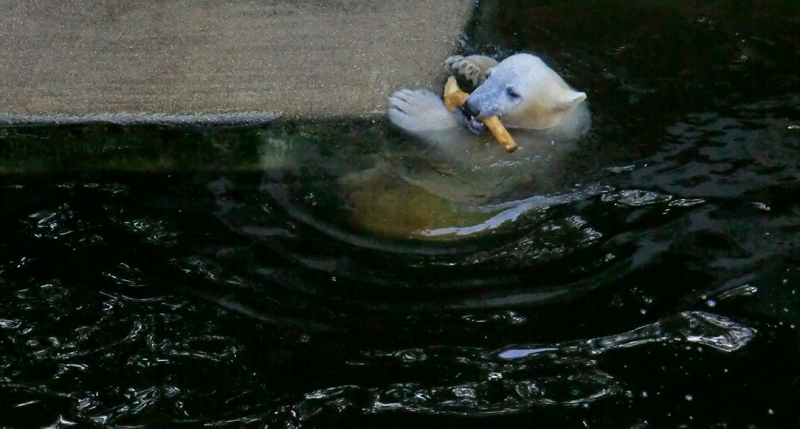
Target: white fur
(419, 112)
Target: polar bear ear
(570, 99)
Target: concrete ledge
(307, 59)
(204, 119)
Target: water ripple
(512, 379)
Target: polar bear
(444, 176)
(521, 90)
(456, 175)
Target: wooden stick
(455, 97)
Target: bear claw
(465, 70)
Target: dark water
(180, 287)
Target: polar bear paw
(465, 70)
(419, 111)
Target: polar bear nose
(470, 109)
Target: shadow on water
(178, 284)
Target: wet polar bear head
(525, 93)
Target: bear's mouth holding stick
(454, 98)
(476, 126)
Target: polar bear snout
(489, 99)
(471, 109)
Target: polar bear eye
(512, 93)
